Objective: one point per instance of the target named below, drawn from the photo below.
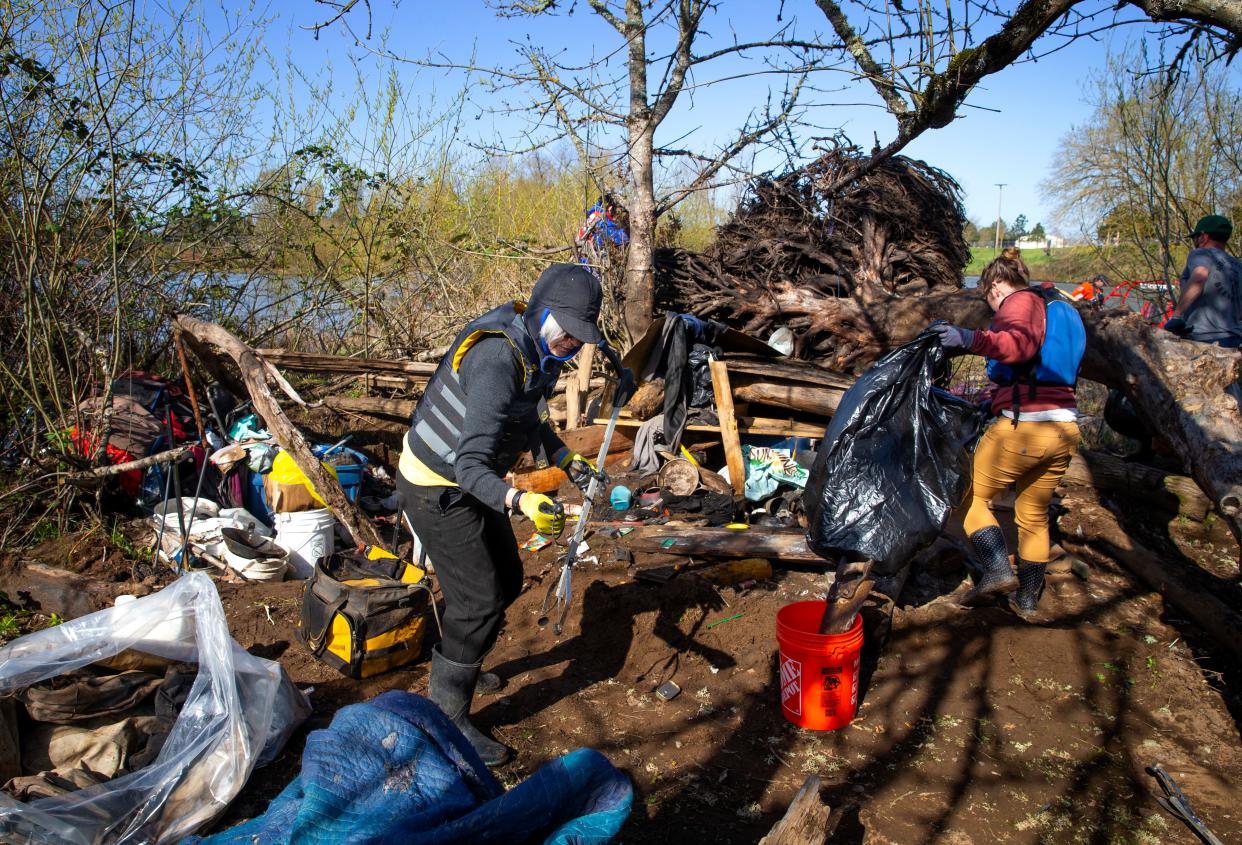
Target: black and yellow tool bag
(365, 612)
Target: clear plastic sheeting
(894, 463)
(240, 712)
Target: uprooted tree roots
(793, 255)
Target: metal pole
(1000, 186)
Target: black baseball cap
(574, 296)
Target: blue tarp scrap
(395, 769)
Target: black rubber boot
(995, 577)
(452, 688)
(1025, 602)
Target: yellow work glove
(580, 469)
(548, 516)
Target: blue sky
(1008, 132)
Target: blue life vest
(1056, 362)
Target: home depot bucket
(818, 672)
(308, 538)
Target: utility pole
(1000, 190)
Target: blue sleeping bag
(395, 769)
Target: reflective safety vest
(435, 428)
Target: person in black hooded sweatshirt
(480, 412)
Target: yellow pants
(1031, 455)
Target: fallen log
(255, 374)
(775, 545)
(811, 400)
(1172, 493)
(647, 401)
(1186, 391)
(585, 440)
(1090, 530)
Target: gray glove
(953, 337)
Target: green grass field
(1075, 263)
(1034, 258)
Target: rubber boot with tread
(995, 575)
(1025, 602)
(452, 688)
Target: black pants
(475, 556)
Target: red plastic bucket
(818, 672)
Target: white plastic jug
(308, 538)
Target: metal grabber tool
(560, 591)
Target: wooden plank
(573, 405)
(582, 384)
(398, 409)
(745, 425)
(312, 363)
(806, 820)
(728, 426)
(773, 544)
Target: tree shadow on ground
(958, 672)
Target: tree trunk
(640, 257)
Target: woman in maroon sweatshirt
(1029, 445)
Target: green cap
(1216, 225)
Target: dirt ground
(973, 726)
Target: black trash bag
(701, 393)
(894, 463)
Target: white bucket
(308, 538)
(253, 556)
(259, 569)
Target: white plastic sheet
(239, 714)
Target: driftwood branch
(806, 820)
(94, 476)
(254, 374)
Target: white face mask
(553, 335)
(551, 331)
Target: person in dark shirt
(479, 414)
(1211, 288)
